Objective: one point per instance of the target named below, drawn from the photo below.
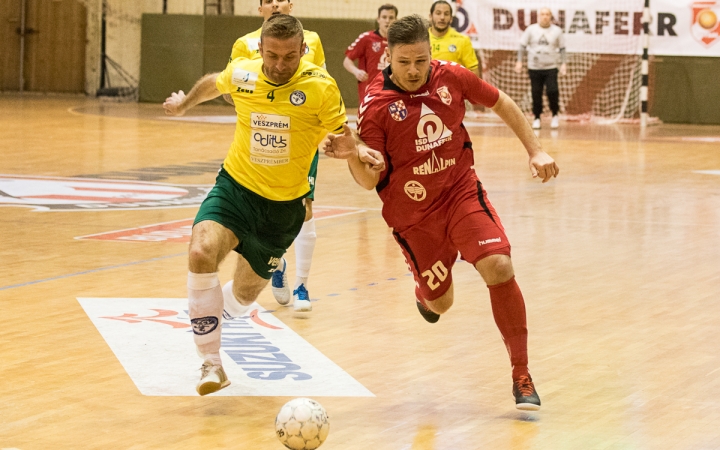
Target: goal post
(606, 64)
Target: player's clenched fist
(173, 104)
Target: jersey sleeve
(240, 50)
(370, 126)
(475, 90)
(355, 50)
(468, 58)
(319, 52)
(525, 38)
(332, 112)
(224, 80)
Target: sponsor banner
(179, 231)
(87, 194)
(152, 339)
(677, 28)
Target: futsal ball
(302, 424)
(707, 19)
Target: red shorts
(467, 223)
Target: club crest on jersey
(297, 98)
(452, 48)
(444, 94)
(376, 46)
(398, 111)
(415, 190)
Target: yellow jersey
(247, 47)
(454, 47)
(278, 127)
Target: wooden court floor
(618, 260)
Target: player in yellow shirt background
(448, 44)
(285, 106)
(247, 47)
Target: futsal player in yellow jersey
(446, 43)
(247, 47)
(285, 107)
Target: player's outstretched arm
(365, 164)
(178, 103)
(541, 164)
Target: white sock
(232, 305)
(304, 248)
(205, 299)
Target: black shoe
(526, 397)
(426, 313)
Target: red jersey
(369, 50)
(427, 149)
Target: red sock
(508, 308)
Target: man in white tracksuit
(543, 41)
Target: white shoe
(280, 286)
(301, 299)
(213, 379)
(555, 122)
(536, 124)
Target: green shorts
(265, 228)
(312, 175)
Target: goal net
(603, 52)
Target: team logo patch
(705, 26)
(398, 111)
(444, 94)
(92, 194)
(376, 46)
(261, 355)
(452, 48)
(415, 191)
(297, 98)
(204, 325)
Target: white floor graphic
(152, 339)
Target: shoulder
(251, 35)
(311, 35)
(315, 74)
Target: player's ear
(291, 7)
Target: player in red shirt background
(415, 151)
(369, 50)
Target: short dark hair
(261, 2)
(387, 6)
(283, 27)
(408, 30)
(440, 2)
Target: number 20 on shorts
(438, 271)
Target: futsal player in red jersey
(414, 150)
(369, 50)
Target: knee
(495, 269)
(244, 294)
(308, 210)
(202, 258)
(443, 303)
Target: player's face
(269, 7)
(410, 64)
(281, 57)
(384, 20)
(545, 18)
(441, 18)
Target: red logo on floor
(179, 231)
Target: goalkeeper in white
(543, 41)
